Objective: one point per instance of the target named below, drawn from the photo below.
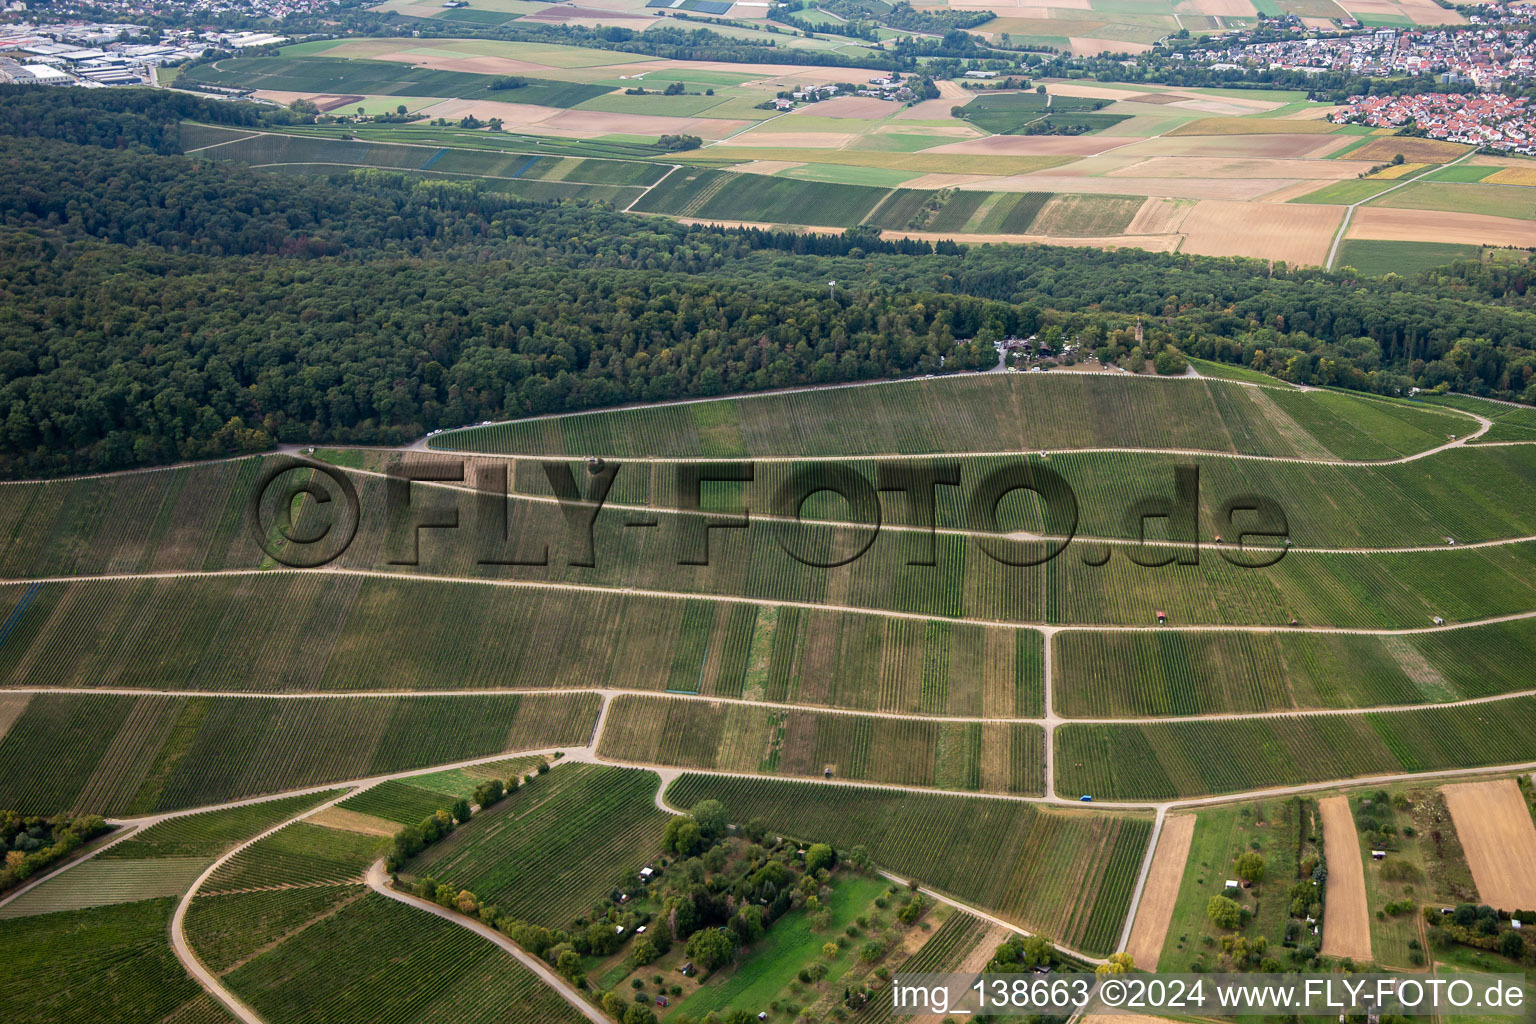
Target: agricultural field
(1061, 411)
(1510, 422)
(121, 754)
(375, 959)
(547, 852)
(1403, 258)
(996, 757)
(1163, 761)
(1218, 172)
(484, 637)
(226, 929)
(1021, 862)
(1284, 831)
(1496, 830)
(109, 964)
(1109, 675)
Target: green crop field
(1141, 674)
(337, 76)
(995, 757)
(100, 882)
(298, 854)
(210, 833)
(379, 960)
(1066, 874)
(549, 851)
(165, 753)
(1163, 761)
(399, 801)
(693, 192)
(111, 965)
(227, 929)
(1405, 258)
(1002, 412)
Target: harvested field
(1161, 891)
(1423, 151)
(862, 108)
(1173, 188)
(1253, 126)
(1398, 171)
(1094, 44)
(1252, 147)
(1385, 223)
(1513, 176)
(1499, 839)
(1092, 92)
(810, 140)
(1291, 232)
(1159, 216)
(1228, 167)
(1232, 8)
(1346, 921)
(1034, 145)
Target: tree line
(160, 308)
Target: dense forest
(161, 307)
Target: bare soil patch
(1161, 891)
(354, 821)
(1346, 919)
(1499, 838)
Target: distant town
(1483, 57)
(1490, 120)
(95, 55)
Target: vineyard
(1510, 422)
(100, 882)
(400, 802)
(1144, 674)
(108, 965)
(210, 833)
(423, 635)
(990, 413)
(116, 754)
(297, 854)
(999, 757)
(944, 952)
(1469, 493)
(377, 961)
(226, 929)
(1065, 874)
(1165, 761)
(547, 852)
